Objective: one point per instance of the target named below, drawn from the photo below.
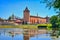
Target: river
(18, 34)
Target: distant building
(14, 19)
(27, 18)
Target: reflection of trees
(4, 31)
(12, 34)
(55, 26)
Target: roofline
(38, 17)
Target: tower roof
(26, 9)
(47, 16)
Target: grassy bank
(48, 26)
(19, 26)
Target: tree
(54, 21)
(9, 18)
(55, 4)
(1, 19)
(52, 3)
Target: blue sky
(16, 7)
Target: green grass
(49, 26)
(19, 26)
(26, 26)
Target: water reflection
(18, 34)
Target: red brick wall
(34, 20)
(26, 16)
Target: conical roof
(26, 9)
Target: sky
(16, 7)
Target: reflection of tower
(26, 15)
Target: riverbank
(19, 26)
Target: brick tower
(26, 15)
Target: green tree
(9, 18)
(55, 4)
(54, 21)
(52, 3)
(1, 19)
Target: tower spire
(37, 14)
(26, 9)
(13, 16)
